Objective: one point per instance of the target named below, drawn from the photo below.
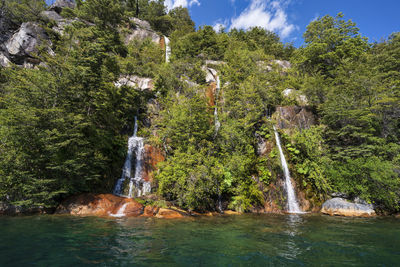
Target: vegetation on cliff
(64, 123)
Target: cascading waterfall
(167, 49)
(135, 145)
(293, 205)
(216, 120)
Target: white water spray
(120, 212)
(293, 205)
(167, 49)
(135, 145)
(216, 120)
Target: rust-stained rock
(152, 156)
(150, 211)
(210, 93)
(231, 212)
(169, 214)
(99, 205)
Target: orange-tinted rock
(152, 156)
(162, 43)
(133, 208)
(231, 212)
(168, 214)
(150, 211)
(210, 93)
(98, 205)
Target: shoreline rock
(341, 207)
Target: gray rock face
(211, 74)
(284, 64)
(342, 207)
(26, 41)
(141, 32)
(141, 23)
(292, 117)
(60, 4)
(51, 15)
(4, 61)
(135, 82)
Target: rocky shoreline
(108, 205)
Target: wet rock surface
(99, 205)
(343, 207)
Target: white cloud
(219, 25)
(267, 14)
(170, 4)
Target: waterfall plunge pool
(250, 239)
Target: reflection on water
(293, 224)
(259, 240)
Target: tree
(330, 40)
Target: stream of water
(292, 204)
(137, 186)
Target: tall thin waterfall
(135, 145)
(167, 49)
(216, 120)
(293, 205)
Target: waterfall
(135, 145)
(293, 205)
(167, 49)
(216, 120)
(120, 212)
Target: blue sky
(376, 19)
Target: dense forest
(64, 124)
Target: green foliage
(370, 178)
(63, 127)
(329, 41)
(19, 11)
(310, 159)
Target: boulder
(168, 214)
(59, 5)
(26, 41)
(150, 211)
(136, 82)
(141, 31)
(342, 207)
(100, 205)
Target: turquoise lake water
(246, 240)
